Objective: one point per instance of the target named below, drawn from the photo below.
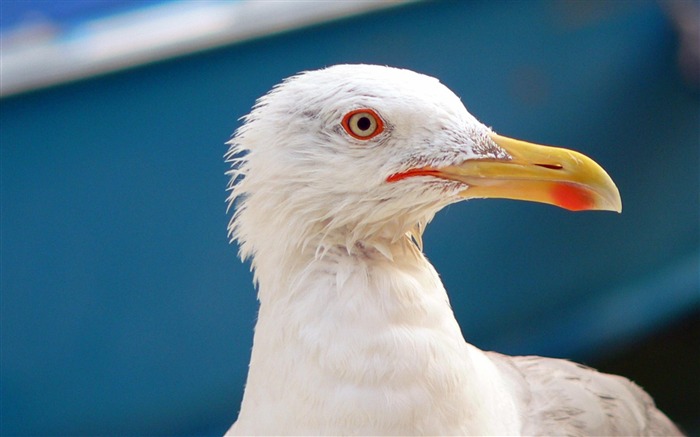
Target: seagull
(335, 173)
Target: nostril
(551, 166)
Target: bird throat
(361, 339)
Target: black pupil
(364, 123)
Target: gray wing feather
(559, 397)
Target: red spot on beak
(572, 197)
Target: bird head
(356, 153)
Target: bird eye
(363, 124)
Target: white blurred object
(41, 56)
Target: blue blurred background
(124, 308)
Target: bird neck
(285, 275)
(379, 279)
(362, 341)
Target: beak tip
(618, 208)
(614, 200)
(613, 204)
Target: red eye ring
(363, 124)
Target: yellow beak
(538, 173)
